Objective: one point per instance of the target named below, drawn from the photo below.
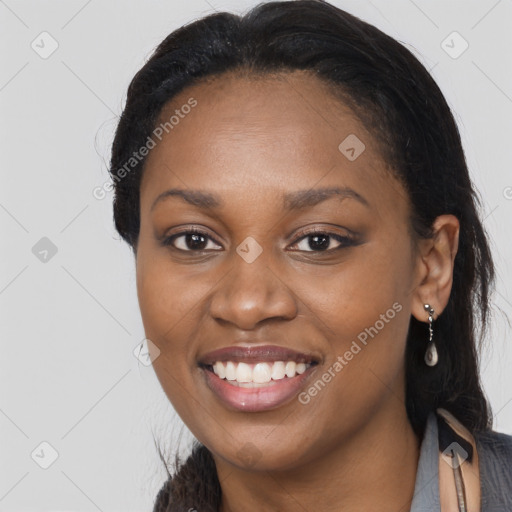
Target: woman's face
(302, 271)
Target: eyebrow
(306, 198)
(298, 200)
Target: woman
(310, 268)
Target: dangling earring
(431, 356)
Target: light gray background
(69, 325)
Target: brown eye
(321, 241)
(191, 240)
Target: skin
(250, 141)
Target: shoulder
(495, 462)
(497, 442)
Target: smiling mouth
(256, 378)
(256, 375)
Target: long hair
(400, 104)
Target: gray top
(495, 463)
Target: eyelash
(345, 241)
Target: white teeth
(300, 368)
(278, 371)
(259, 373)
(243, 373)
(230, 371)
(219, 370)
(290, 368)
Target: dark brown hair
(401, 105)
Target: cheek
(355, 295)
(168, 303)
(167, 295)
(365, 311)
(173, 304)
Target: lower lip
(257, 399)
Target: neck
(374, 470)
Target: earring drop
(431, 357)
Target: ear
(434, 269)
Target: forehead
(267, 133)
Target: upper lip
(257, 353)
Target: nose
(251, 293)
